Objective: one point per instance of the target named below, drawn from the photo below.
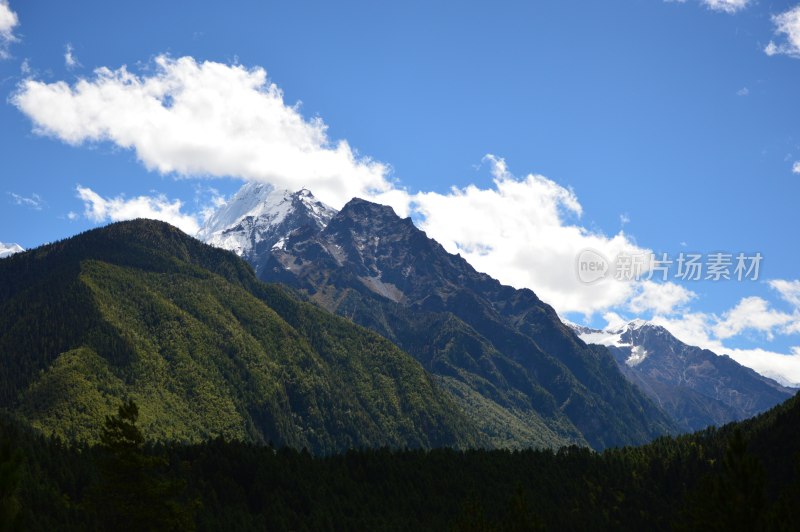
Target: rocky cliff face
(503, 352)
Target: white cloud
(70, 61)
(726, 6)
(788, 290)
(524, 232)
(661, 298)
(199, 119)
(783, 368)
(693, 328)
(8, 21)
(213, 120)
(788, 25)
(614, 322)
(796, 167)
(744, 91)
(205, 119)
(751, 313)
(208, 201)
(99, 209)
(34, 201)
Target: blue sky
(619, 125)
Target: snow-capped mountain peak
(9, 249)
(253, 200)
(616, 336)
(638, 323)
(259, 216)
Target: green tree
(786, 512)
(732, 498)
(134, 491)
(10, 460)
(521, 517)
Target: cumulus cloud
(204, 119)
(787, 25)
(159, 207)
(751, 313)
(788, 290)
(8, 21)
(191, 118)
(783, 368)
(661, 298)
(526, 233)
(726, 6)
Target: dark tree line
(739, 477)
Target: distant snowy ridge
(7, 250)
(695, 386)
(608, 337)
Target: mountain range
(502, 354)
(328, 330)
(695, 386)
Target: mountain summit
(503, 355)
(259, 215)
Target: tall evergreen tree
(733, 497)
(10, 461)
(134, 491)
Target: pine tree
(732, 498)
(134, 492)
(10, 460)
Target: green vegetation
(134, 487)
(140, 311)
(739, 477)
(524, 379)
(496, 392)
(150, 382)
(505, 356)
